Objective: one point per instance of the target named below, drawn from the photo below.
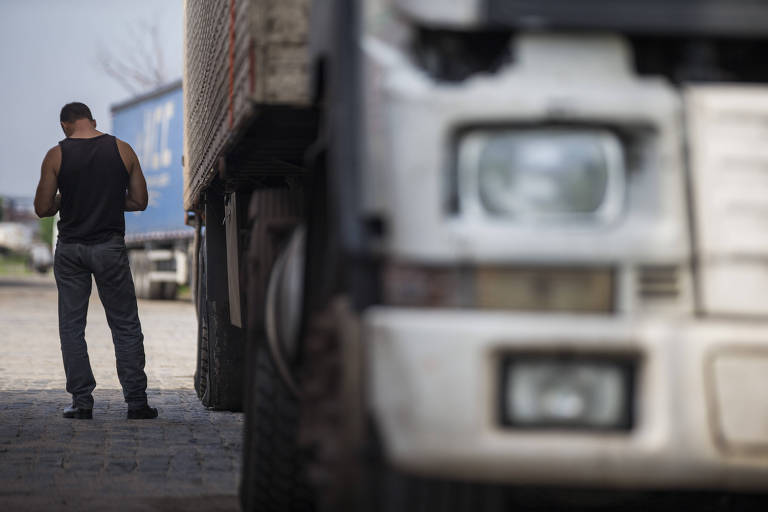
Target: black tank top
(93, 181)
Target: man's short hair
(71, 112)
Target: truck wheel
(154, 289)
(395, 491)
(170, 290)
(213, 383)
(221, 351)
(162, 291)
(273, 477)
(202, 376)
(332, 418)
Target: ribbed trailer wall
(238, 54)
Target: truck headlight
(541, 174)
(541, 391)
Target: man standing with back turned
(99, 178)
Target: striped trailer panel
(239, 54)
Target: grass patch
(184, 292)
(14, 265)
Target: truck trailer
(158, 239)
(450, 249)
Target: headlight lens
(542, 173)
(547, 392)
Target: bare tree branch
(137, 64)
(108, 66)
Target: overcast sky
(49, 56)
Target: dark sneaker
(142, 413)
(78, 413)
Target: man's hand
(137, 197)
(47, 202)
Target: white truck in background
(15, 236)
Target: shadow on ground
(125, 504)
(187, 459)
(28, 282)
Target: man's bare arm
(137, 197)
(47, 201)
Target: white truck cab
(575, 284)
(480, 245)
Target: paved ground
(188, 459)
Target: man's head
(75, 115)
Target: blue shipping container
(152, 124)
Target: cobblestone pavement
(187, 459)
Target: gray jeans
(73, 266)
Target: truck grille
(658, 282)
(166, 265)
(550, 289)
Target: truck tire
(202, 375)
(163, 291)
(331, 411)
(273, 477)
(221, 350)
(396, 491)
(155, 290)
(273, 472)
(170, 290)
(213, 387)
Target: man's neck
(83, 129)
(85, 134)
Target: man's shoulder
(121, 142)
(53, 155)
(124, 147)
(126, 153)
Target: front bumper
(701, 399)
